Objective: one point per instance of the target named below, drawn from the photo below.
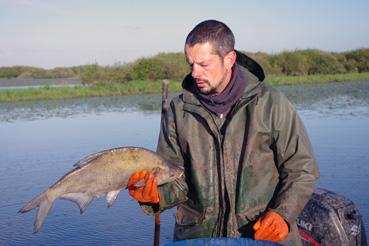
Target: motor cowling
(331, 219)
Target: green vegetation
(101, 89)
(173, 66)
(145, 87)
(143, 75)
(37, 73)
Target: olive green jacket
(260, 159)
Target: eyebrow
(203, 62)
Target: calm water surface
(25, 83)
(41, 140)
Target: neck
(222, 103)
(225, 81)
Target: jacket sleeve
(295, 159)
(174, 193)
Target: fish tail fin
(33, 204)
(44, 205)
(43, 210)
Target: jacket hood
(251, 65)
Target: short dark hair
(214, 32)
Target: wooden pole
(164, 101)
(164, 108)
(157, 229)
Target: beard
(204, 89)
(210, 88)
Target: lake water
(41, 140)
(25, 83)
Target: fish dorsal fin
(89, 158)
(81, 199)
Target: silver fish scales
(103, 173)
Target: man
(249, 166)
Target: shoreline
(146, 87)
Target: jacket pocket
(187, 216)
(191, 223)
(252, 214)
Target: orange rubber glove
(148, 192)
(271, 227)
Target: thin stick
(164, 101)
(157, 229)
(164, 107)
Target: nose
(195, 71)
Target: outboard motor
(331, 219)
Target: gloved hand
(148, 192)
(271, 227)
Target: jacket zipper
(221, 223)
(217, 231)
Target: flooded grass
(145, 87)
(318, 78)
(99, 90)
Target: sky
(57, 33)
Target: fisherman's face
(211, 72)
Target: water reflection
(334, 99)
(43, 109)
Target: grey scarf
(222, 103)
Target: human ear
(230, 59)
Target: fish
(103, 173)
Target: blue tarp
(221, 242)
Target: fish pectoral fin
(82, 199)
(111, 196)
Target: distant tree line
(174, 67)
